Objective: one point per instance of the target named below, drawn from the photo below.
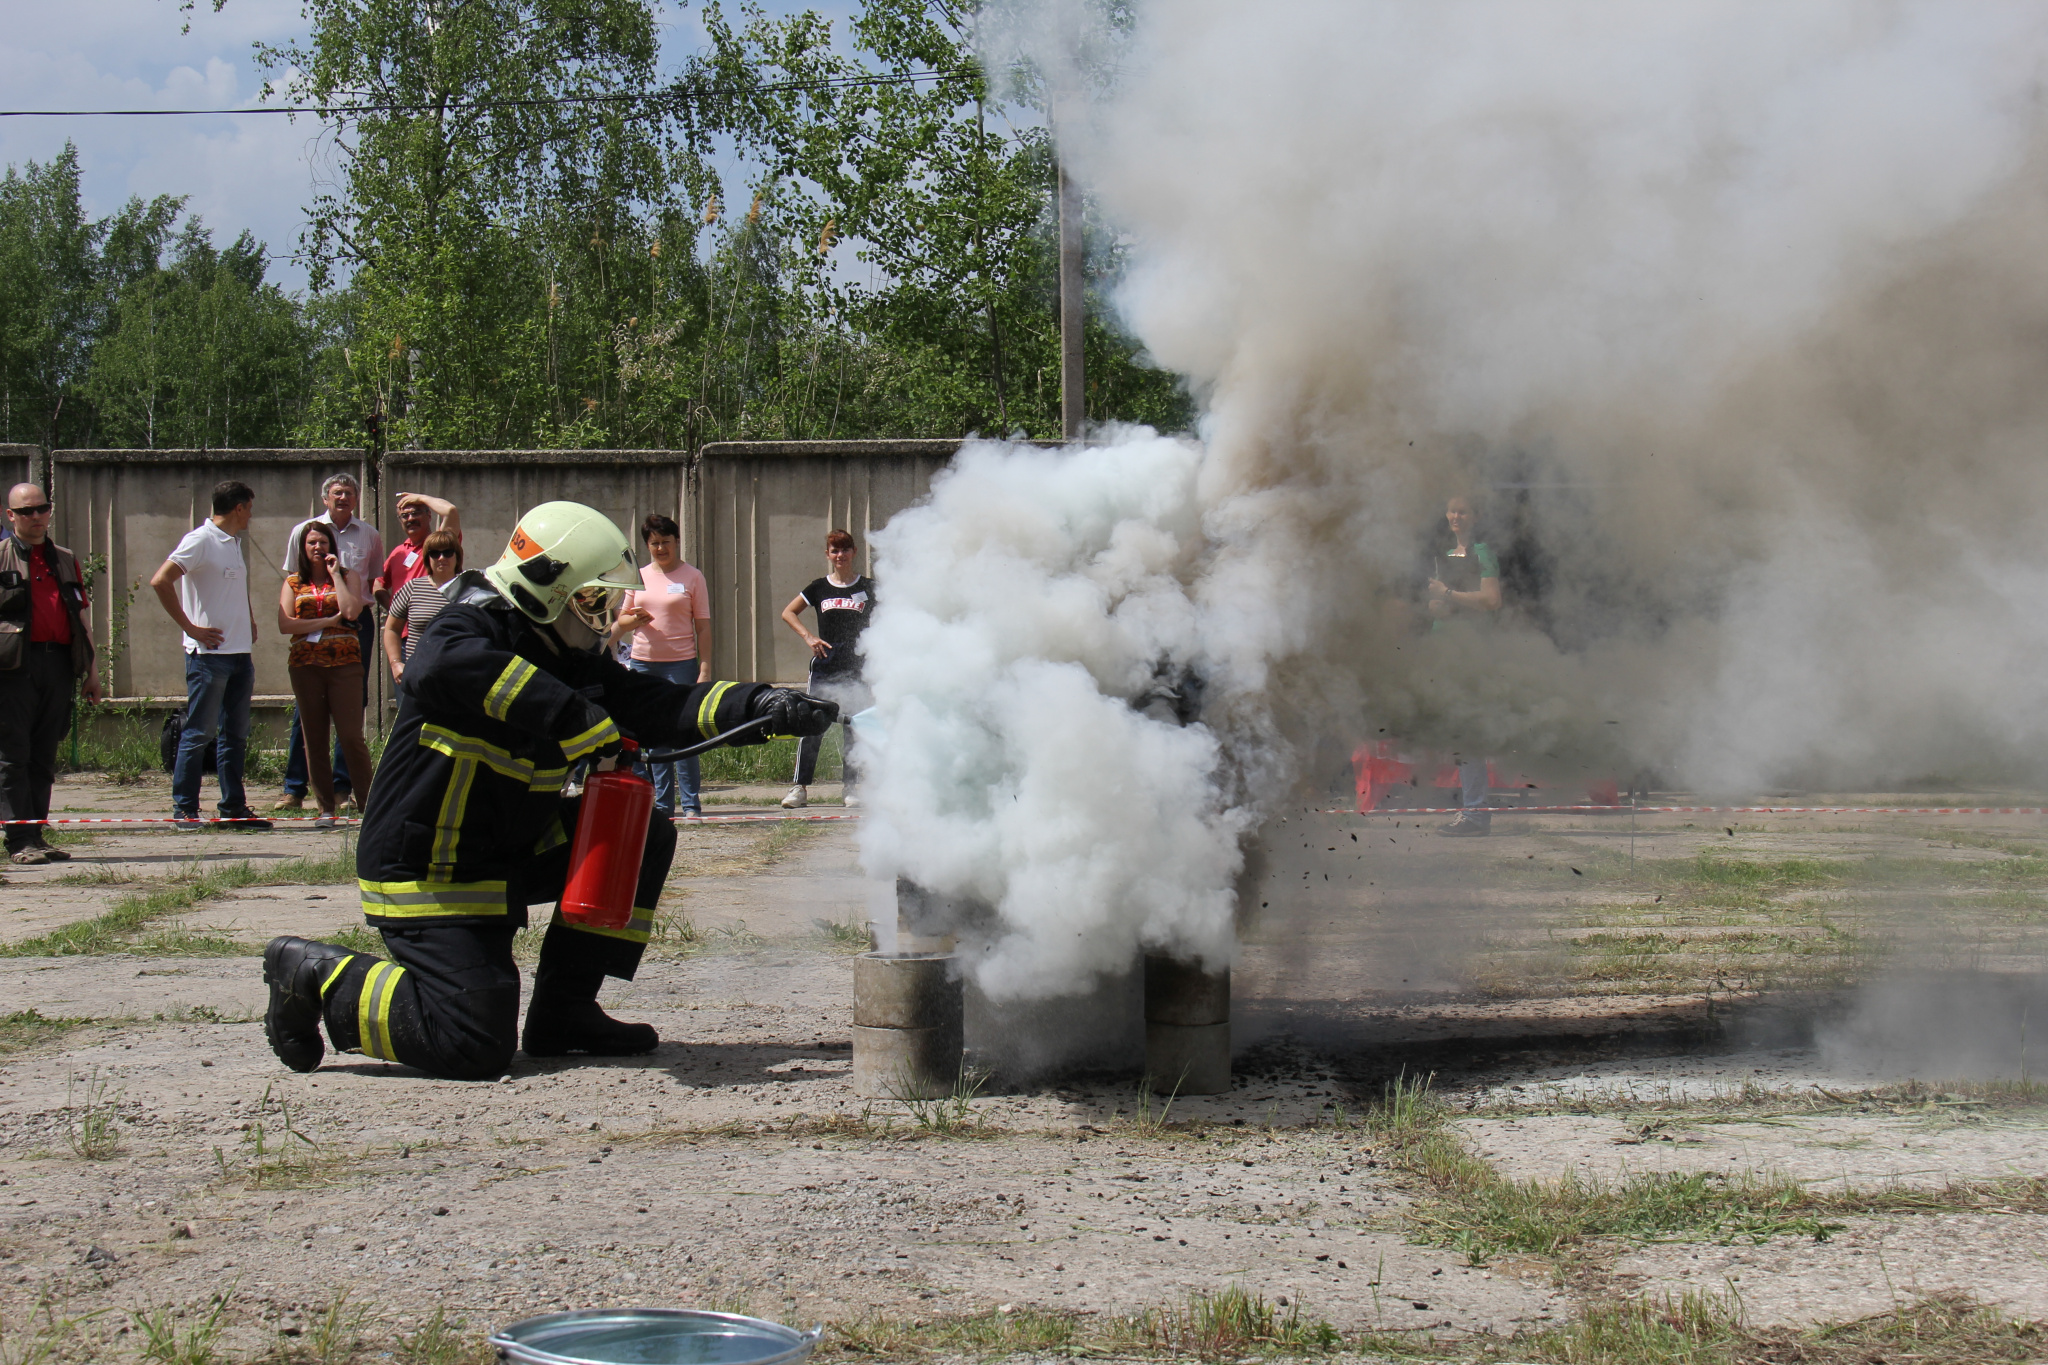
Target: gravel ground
(736, 1167)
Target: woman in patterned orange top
(316, 608)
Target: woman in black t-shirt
(843, 601)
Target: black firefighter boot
(293, 968)
(563, 1017)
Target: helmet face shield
(597, 607)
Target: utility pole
(1073, 312)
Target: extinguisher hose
(671, 755)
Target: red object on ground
(604, 862)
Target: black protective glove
(792, 713)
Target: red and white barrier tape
(342, 823)
(1700, 810)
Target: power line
(685, 93)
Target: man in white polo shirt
(360, 548)
(204, 587)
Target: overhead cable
(671, 94)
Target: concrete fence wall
(19, 464)
(754, 517)
(758, 526)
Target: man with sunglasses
(45, 656)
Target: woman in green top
(1464, 589)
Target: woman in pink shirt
(669, 618)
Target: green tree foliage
(51, 296)
(526, 243)
(199, 352)
(506, 154)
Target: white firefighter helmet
(563, 554)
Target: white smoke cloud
(1732, 309)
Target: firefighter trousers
(447, 1001)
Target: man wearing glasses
(45, 655)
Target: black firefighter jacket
(489, 719)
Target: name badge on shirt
(678, 589)
(412, 557)
(231, 574)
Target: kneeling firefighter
(467, 826)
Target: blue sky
(254, 172)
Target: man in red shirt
(416, 516)
(45, 653)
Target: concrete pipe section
(1187, 1027)
(906, 1025)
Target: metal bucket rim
(509, 1347)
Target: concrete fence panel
(19, 464)
(761, 513)
(125, 510)
(493, 487)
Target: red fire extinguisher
(611, 834)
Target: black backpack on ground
(167, 744)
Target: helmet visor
(597, 607)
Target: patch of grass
(1024, 1331)
(437, 1342)
(357, 938)
(41, 1335)
(1229, 1325)
(111, 931)
(1693, 1329)
(774, 761)
(337, 1338)
(274, 1152)
(1232, 1323)
(1941, 1328)
(1150, 1117)
(949, 1115)
(171, 1338)
(846, 936)
(25, 1029)
(89, 1109)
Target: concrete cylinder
(906, 1025)
(1187, 1027)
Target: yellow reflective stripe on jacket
(373, 1011)
(591, 740)
(431, 900)
(502, 693)
(443, 740)
(555, 837)
(637, 929)
(448, 822)
(707, 710)
(547, 779)
(335, 975)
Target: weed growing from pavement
(27, 1028)
(948, 1115)
(274, 1152)
(1231, 1323)
(437, 1342)
(337, 1338)
(41, 1334)
(846, 936)
(171, 1338)
(1150, 1117)
(89, 1108)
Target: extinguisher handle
(671, 755)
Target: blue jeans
(691, 770)
(1472, 783)
(295, 745)
(217, 692)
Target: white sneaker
(798, 797)
(852, 800)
